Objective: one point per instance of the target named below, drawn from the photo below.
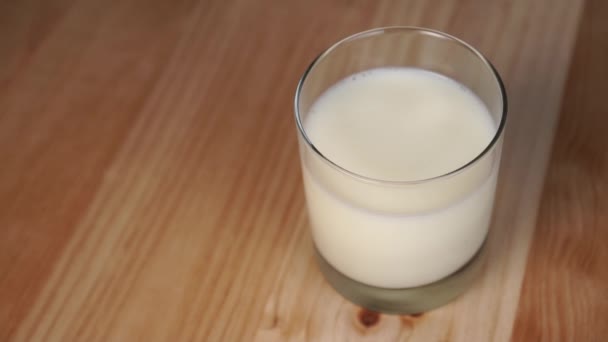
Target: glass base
(412, 300)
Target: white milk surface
(398, 124)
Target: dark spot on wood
(368, 318)
(411, 319)
(275, 321)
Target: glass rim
(389, 29)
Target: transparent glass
(382, 243)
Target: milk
(404, 126)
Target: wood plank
(156, 193)
(64, 114)
(565, 291)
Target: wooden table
(150, 186)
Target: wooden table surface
(150, 187)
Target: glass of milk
(400, 135)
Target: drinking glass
(400, 246)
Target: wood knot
(368, 318)
(410, 320)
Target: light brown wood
(565, 291)
(149, 180)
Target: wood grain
(565, 292)
(150, 186)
